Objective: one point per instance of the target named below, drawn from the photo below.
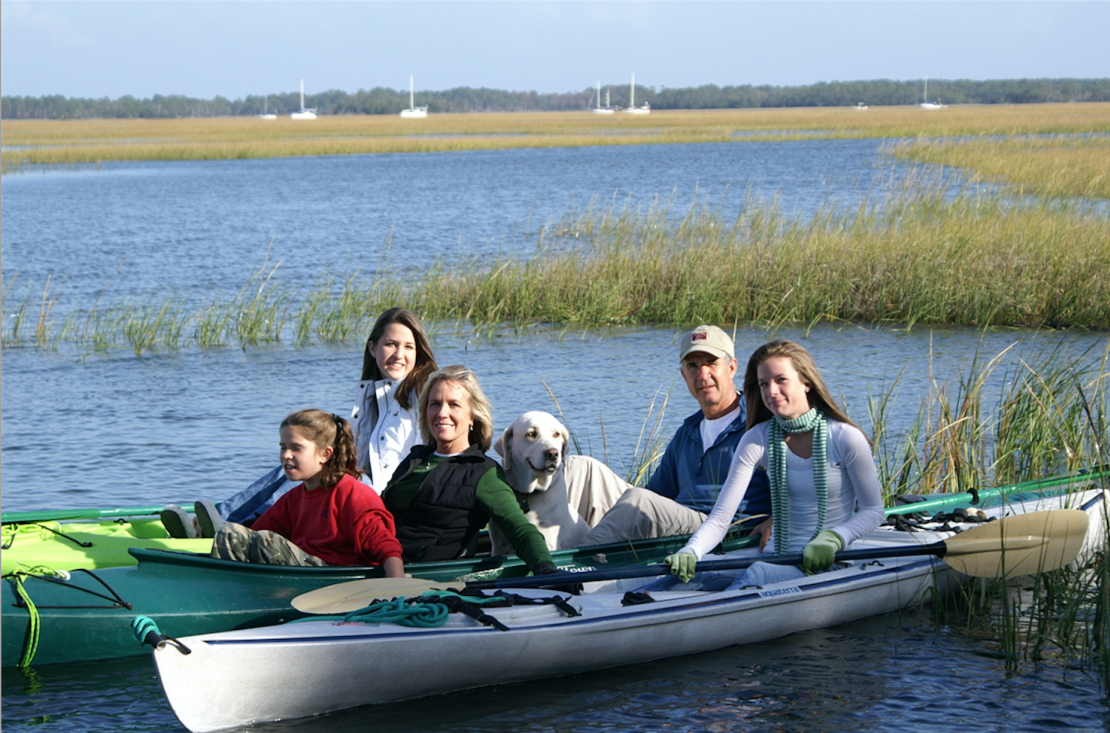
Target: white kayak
(296, 670)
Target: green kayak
(84, 544)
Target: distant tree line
(379, 100)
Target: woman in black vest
(446, 490)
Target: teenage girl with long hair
(824, 486)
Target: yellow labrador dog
(566, 495)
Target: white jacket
(385, 432)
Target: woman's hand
(683, 564)
(820, 553)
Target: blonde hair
(482, 432)
(325, 429)
(818, 395)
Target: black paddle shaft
(646, 571)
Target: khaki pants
(239, 543)
(641, 514)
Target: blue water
(203, 226)
(112, 428)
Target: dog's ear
(504, 444)
(565, 434)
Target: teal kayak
(87, 615)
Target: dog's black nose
(551, 454)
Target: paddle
(1018, 545)
(56, 515)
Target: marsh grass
(1051, 415)
(62, 142)
(1055, 166)
(910, 255)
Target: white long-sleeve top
(385, 432)
(853, 483)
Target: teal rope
(420, 615)
(143, 625)
(407, 612)
(776, 461)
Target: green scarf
(776, 461)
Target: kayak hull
(237, 678)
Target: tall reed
(1051, 414)
(914, 253)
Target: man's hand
(763, 531)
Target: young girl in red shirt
(329, 519)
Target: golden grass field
(1054, 166)
(47, 142)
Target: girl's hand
(820, 553)
(394, 567)
(682, 564)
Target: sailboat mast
(302, 94)
(632, 92)
(599, 93)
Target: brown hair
(325, 429)
(482, 432)
(425, 361)
(818, 395)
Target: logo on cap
(698, 336)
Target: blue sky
(201, 49)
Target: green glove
(820, 553)
(682, 564)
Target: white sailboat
(414, 112)
(860, 107)
(266, 115)
(304, 114)
(599, 110)
(632, 108)
(925, 103)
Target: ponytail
(327, 430)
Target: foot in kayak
(208, 518)
(177, 522)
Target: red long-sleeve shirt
(345, 525)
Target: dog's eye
(532, 433)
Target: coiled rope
(34, 627)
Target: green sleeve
(498, 500)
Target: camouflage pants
(236, 542)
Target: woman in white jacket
(824, 486)
(395, 365)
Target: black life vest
(443, 519)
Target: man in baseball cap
(682, 491)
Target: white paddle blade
(1023, 544)
(356, 594)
